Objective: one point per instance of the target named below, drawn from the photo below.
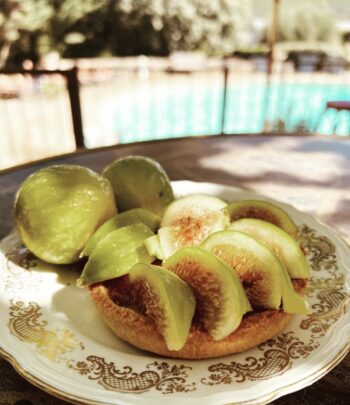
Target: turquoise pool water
(183, 112)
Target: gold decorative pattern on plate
(276, 359)
(319, 249)
(329, 292)
(25, 324)
(279, 352)
(159, 375)
(326, 290)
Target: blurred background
(84, 74)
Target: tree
(22, 24)
(307, 20)
(216, 27)
(158, 27)
(79, 28)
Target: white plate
(51, 332)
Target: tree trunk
(4, 53)
(33, 48)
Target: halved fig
(264, 277)
(262, 210)
(220, 299)
(276, 239)
(116, 253)
(139, 182)
(186, 210)
(133, 216)
(189, 220)
(166, 299)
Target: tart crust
(140, 331)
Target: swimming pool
(181, 112)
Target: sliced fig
(189, 220)
(166, 299)
(139, 182)
(116, 253)
(133, 216)
(262, 210)
(276, 239)
(264, 277)
(185, 210)
(153, 246)
(220, 299)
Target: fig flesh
(133, 216)
(116, 253)
(264, 277)
(59, 207)
(282, 244)
(262, 210)
(220, 299)
(166, 299)
(139, 182)
(189, 220)
(186, 209)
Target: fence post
(74, 98)
(224, 97)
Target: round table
(311, 173)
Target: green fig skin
(153, 246)
(133, 216)
(262, 210)
(58, 208)
(174, 298)
(221, 300)
(276, 239)
(139, 182)
(116, 253)
(259, 268)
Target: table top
(311, 173)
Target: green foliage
(21, 24)
(87, 28)
(307, 20)
(158, 27)
(79, 28)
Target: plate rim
(49, 389)
(284, 390)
